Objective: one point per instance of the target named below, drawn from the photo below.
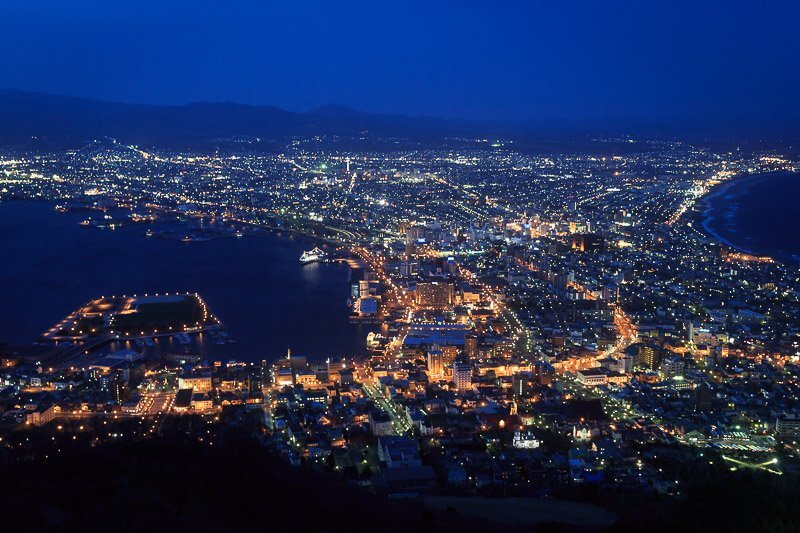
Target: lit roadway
(156, 403)
(511, 320)
(400, 423)
(626, 329)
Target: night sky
(467, 59)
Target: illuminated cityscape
(495, 330)
(567, 311)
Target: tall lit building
(521, 383)
(543, 372)
(434, 294)
(440, 360)
(449, 354)
(119, 389)
(435, 363)
(462, 375)
(471, 345)
(649, 357)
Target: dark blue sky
(469, 59)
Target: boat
(312, 255)
(195, 238)
(184, 358)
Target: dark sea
(267, 300)
(758, 214)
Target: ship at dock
(313, 255)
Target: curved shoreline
(315, 296)
(708, 216)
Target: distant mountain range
(36, 119)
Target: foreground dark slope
(159, 485)
(235, 485)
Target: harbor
(254, 284)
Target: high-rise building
(434, 294)
(415, 235)
(628, 362)
(409, 268)
(435, 363)
(440, 360)
(471, 345)
(521, 383)
(449, 354)
(543, 372)
(265, 373)
(119, 389)
(561, 281)
(368, 288)
(334, 366)
(462, 375)
(649, 356)
(451, 266)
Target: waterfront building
(198, 383)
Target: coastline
(238, 280)
(708, 216)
